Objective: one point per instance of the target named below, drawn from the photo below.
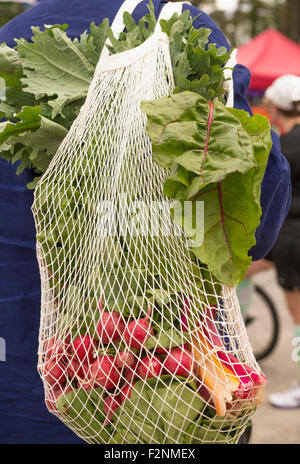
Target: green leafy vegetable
(46, 84)
(10, 66)
(135, 34)
(216, 155)
(162, 407)
(32, 139)
(203, 138)
(61, 71)
(84, 410)
(197, 64)
(167, 339)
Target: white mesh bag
(135, 343)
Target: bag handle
(128, 5)
(168, 10)
(118, 25)
(228, 74)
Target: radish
(53, 396)
(126, 391)
(149, 367)
(137, 332)
(54, 347)
(86, 385)
(110, 327)
(161, 351)
(130, 372)
(105, 373)
(54, 372)
(124, 359)
(185, 315)
(87, 382)
(110, 404)
(75, 368)
(179, 362)
(84, 348)
(51, 400)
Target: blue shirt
(24, 417)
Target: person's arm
(276, 185)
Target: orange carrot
(218, 379)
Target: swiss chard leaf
(203, 138)
(233, 209)
(216, 159)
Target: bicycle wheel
(262, 324)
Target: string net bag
(137, 343)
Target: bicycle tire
(275, 324)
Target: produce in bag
(141, 336)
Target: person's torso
(290, 145)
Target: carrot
(219, 380)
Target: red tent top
(268, 56)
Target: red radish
(126, 391)
(67, 345)
(124, 359)
(110, 326)
(52, 347)
(150, 366)
(87, 382)
(179, 362)
(185, 315)
(86, 368)
(76, 369)
(84, 348)
(55, 347)
(137, 332)
(130, 372)
(53, 396)
(110, 404)
(105, 373)
(54, 372)
(161, 350)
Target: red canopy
(268, 56)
